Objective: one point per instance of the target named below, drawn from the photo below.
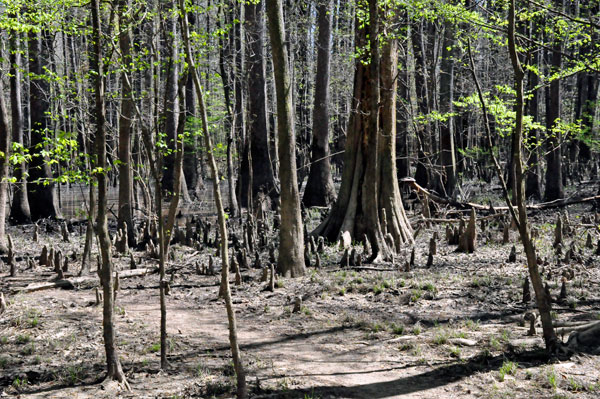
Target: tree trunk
(19, 211)
(369, 182)
(291, 234)
(320, 190)
(225, 46)
(554, 172)
(258, 132)
(533, 185)
(114, 370)
(41, 190)
(5, 136)
(542, 299)
(447, 155)
(125, 216)
(169, 126)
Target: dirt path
(452, 330)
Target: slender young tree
(319, 189)
(542, 299)
(114, 369)
(233, 339)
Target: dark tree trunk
(125, 216)
(41, 190)
(319, 189)
(19, 211)
(263, 179)
(554, 172)
(170, 100)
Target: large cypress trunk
(369, 181)
(319, 189)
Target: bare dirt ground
(452, 330)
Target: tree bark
(369, 181)
(125, 216)
(291, 234)
(262, 171)
(554, 172)
(320, 190)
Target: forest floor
(446, 331)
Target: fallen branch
(74, 282)
(559, 203)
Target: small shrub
(154, 348)
(397, 329)
(508, 368)
(23, 339)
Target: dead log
(74, 282)
(560, 203)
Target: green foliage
(508, 368)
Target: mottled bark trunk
(320, 190)
(291, 234)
